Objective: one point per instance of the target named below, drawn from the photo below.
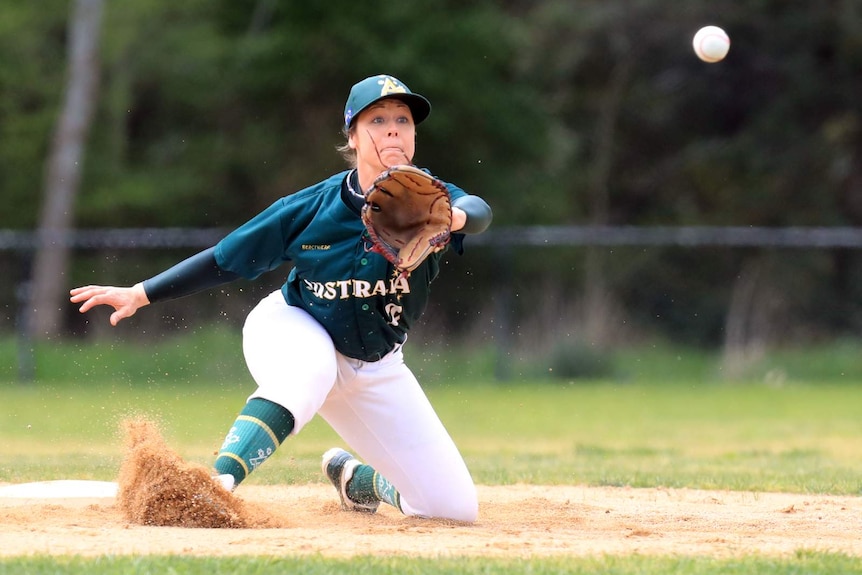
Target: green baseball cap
(375, 88)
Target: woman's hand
(125, 300)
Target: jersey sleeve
(265, 241)
(454, 191)
(259, 245)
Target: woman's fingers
(92, 296)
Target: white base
(60, 489)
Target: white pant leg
(290, 356)
(380, 410)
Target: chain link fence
(537, 236)
(18, 247)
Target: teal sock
(257, 432)
(368, 486)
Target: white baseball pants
(378, 408)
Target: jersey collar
(353, 199)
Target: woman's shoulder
(317, 192)
(455, 191)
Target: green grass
(801, 564)
(796, 438)
(666, 418)
(213, 355)
(667, 421)
(209, 354)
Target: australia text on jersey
(344, 289)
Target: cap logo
(391, 86)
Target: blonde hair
(348, 153)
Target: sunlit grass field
(661, 418)
(801, 437)
(802, 564)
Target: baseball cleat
(226, 480)
(339, 466)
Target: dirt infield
(515, 521)
(164, 505)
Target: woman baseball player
(329, 341)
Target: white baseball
(711, 44)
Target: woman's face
(383, 135)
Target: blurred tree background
(557, 112)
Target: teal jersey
(354, 293)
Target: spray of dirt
(156, 487)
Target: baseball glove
(408, 215)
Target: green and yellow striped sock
(368, 486)
(257, 432)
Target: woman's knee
(453, 504)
